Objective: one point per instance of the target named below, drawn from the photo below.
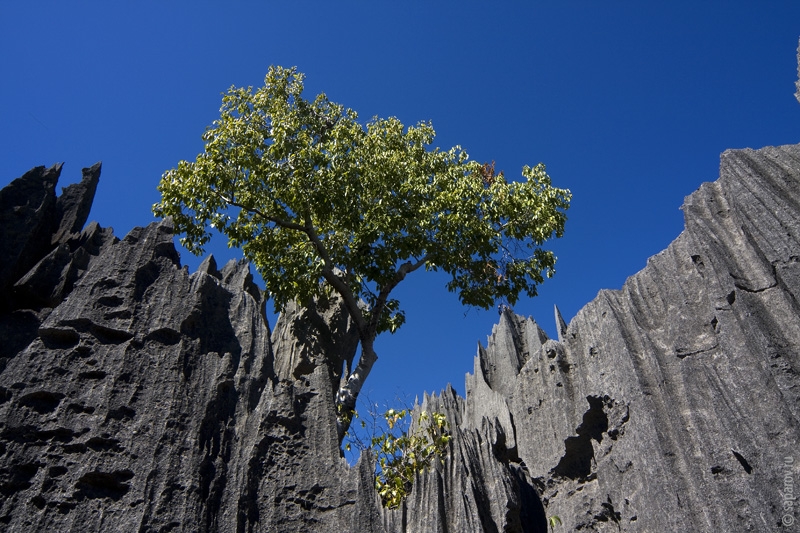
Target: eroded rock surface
(674, 403)
(136, 396)
(797, 83)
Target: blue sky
(628, 106)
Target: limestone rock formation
(674, 403)
(797, 83)
(136, 396)
(35, 222)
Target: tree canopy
(313, 197)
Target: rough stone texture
(482, 486)
(797, 94)
(34, 223)
(27, 216)
(147, 400)
(135, 396)
(672, 404)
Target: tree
(315, 198)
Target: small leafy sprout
(402, 449)
(553, 521)
(401, 457)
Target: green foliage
(309, 194)
(553, 521)
(402, 450)
(316, 199)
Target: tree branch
(277, 220)
(347, 395)
(336, 282)
(404, 269)
(327, 272)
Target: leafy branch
(402, 449)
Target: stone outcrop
(136, 396)
(36, 223)
(797, 83)
(674, 403)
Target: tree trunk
(348, 394)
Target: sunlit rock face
(669, 405)
(136, 396)
(797, 94)
(673, 403)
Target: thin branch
(327, 271)
(277, 220)
(336, 282)
(404, 269)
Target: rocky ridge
(673, 403)
(136, 396)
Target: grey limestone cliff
(674, 403)
(137, 396)
(797, 83)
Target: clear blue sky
(628, 104)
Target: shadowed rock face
(138, 397)
(135, 396)
(35, 223)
